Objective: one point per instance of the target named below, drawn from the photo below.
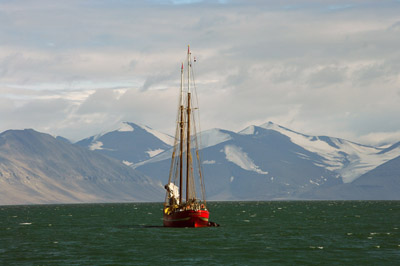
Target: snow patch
(248, 130)
(213, 137)
(314, 183)
(161, 136)
(302, 155)
(162, 156)
(127, 163)
(153, 153)
(98, 145)
(125, 127)
(235, 155)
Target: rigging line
(203, 191)
(172, 158)
(198, 154)
(174, 161)
(199, 160)
(175, 146)
(171, 169)
(192, 183)
(198, 136)
(198, 139)
(197, 103)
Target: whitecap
(319, 247)
(25, 223)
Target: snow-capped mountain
(38, 168)
(262, 165)
(270, 162)
(258, 163)
(349, 159)
(130, 143)
(381, 183)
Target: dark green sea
(251, 233)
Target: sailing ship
(186, 168)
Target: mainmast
(188, 152)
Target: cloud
(327, 76)
(325, 68)
(154, 80)
(380, 138)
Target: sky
(78, 68)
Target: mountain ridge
(124, 143)
(38, 168)
(332, 158)
(131, 163)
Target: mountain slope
(348, 159)
(384, 181)
(273, 162)
(37, 168)
(129, 143)
(381, 183)
(262, 165)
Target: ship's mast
(188, 129)
(184, 127)
(181, 125)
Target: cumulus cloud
(327, 68)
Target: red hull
(187, 218)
